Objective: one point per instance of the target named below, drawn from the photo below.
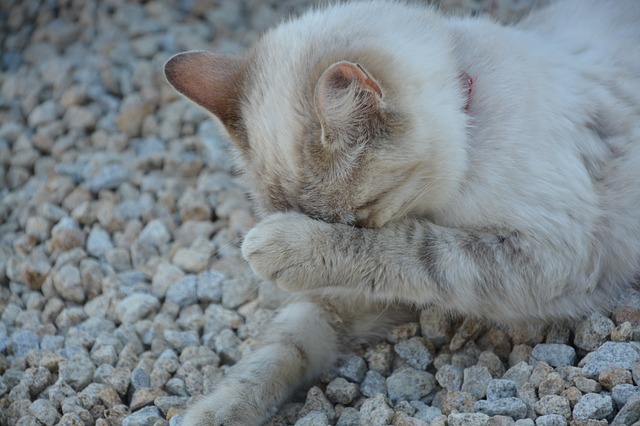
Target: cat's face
(332, 133)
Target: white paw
(286, 248)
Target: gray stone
(98, 242)
(425, 413)
(316, 401)
(414, 352)
(449, 377)
(314, 418)
(143, 417)
(77, 371)
(23, 341)
(44, 113)
(209, 286)
(593, 406)
(592, 332)
(227, 345)
(554, 354)
(352, 368)
(614, 354)
(379, 358)
(110, 176)
(467, 419)
(551, 420)
(135, 307)
(409, 385)
(512, 407)
(68, 283)
(373, 384)
(181, 339)
(500, 388)
(184, 291)
(519, 373)
(342, 392)
(476, 380)
(554, 404)
(621, 393)
(629, 414)
(349, 417)
(156, 233)
(376, 411)
(44, 411)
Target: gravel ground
(122, 290)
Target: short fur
(383, 180)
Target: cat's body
(513, 197)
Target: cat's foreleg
(498, 273)
(301, 342)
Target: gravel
(123, 294)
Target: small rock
(342, 392)
(379, 358)
(66, 235)
(23, 341)
(519, 373)
(629, 414)
(592, 332)
(155, 233)
(593, 406)
(98, 242)
(44, 113)
(551, 420)
(184, 291)
(449, 377)
(614, 354)
(455, 402)
(376, 411)
(622, 393)
(314, 418)
(135, 307)
(316, 401)
(409, 385)
(352, 368)
(209, 286)
(476, 380)
(512, 407)
(77, 371)
(181, 339)
(468, 419)
(554, 354)
(612, 376)
(499, 388)
(44, 411)
(414, 352)
(143, 417)
(554, 404)
(110, 176)
(373, 384)
(349, 417)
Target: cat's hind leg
(299, 345)
(304, 339)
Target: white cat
(399, 155)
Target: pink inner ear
(342, 74)
(208, 79)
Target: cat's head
(332, 123)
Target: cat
(400, 157)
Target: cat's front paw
(287, 248)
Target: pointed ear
(210, 80)
(346, 92)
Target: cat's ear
(211, 80)
(346, 93)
